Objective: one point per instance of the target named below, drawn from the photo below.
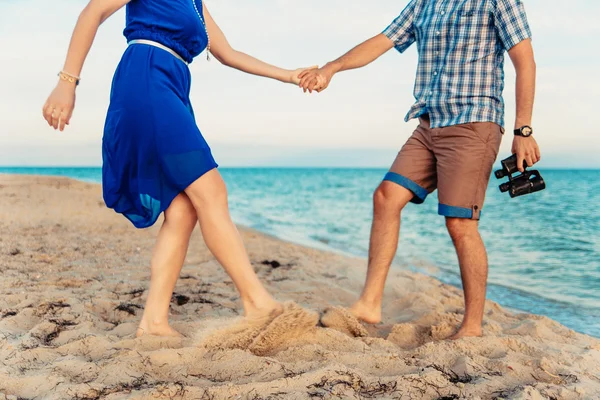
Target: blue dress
(152, 149)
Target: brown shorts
(457, 160)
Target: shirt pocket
(473, 19)
(474, 30)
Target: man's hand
(315, 79)
(526, 149)
(294, 76)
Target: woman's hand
(59, 106)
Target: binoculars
(525, 183)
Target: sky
(251, 121)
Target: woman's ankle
(260, 305)
(151, 320)
(149, 323)
(156, 327)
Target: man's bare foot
(369, 313)
(466, 332)
(156, 329)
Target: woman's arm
(59, 106)
(222, 50)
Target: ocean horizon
(544, 248)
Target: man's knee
(461, 228)
(391, 197)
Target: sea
(543, 248)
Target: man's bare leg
(388, 201)
(472, 258)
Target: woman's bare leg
(167, 259)
(209, 197)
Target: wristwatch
(524, 131)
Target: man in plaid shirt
(458, 91)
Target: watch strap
(519, 131)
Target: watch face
(526, 131)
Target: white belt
(156, 44)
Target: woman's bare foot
(366, 312)
(266, 309)
(156, 329)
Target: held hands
(295, 75)
(58, 109)
(526, 149)
(316, 79)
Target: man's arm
(513, 32)
(525, 148)
(399, 34)
(361, 55)
(524, 63)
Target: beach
(74, 280)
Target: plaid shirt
(461, 44)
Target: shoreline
(75, 276)
(509, 297)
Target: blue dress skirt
(152, 149)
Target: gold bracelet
(65, 76)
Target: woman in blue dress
(155, 159)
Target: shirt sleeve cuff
(510, 41)
(392, 33)
(515, 39)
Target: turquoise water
(544, 248)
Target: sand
(74, 276)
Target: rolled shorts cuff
(459, 212)
(419, 191)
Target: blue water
(544, 248)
